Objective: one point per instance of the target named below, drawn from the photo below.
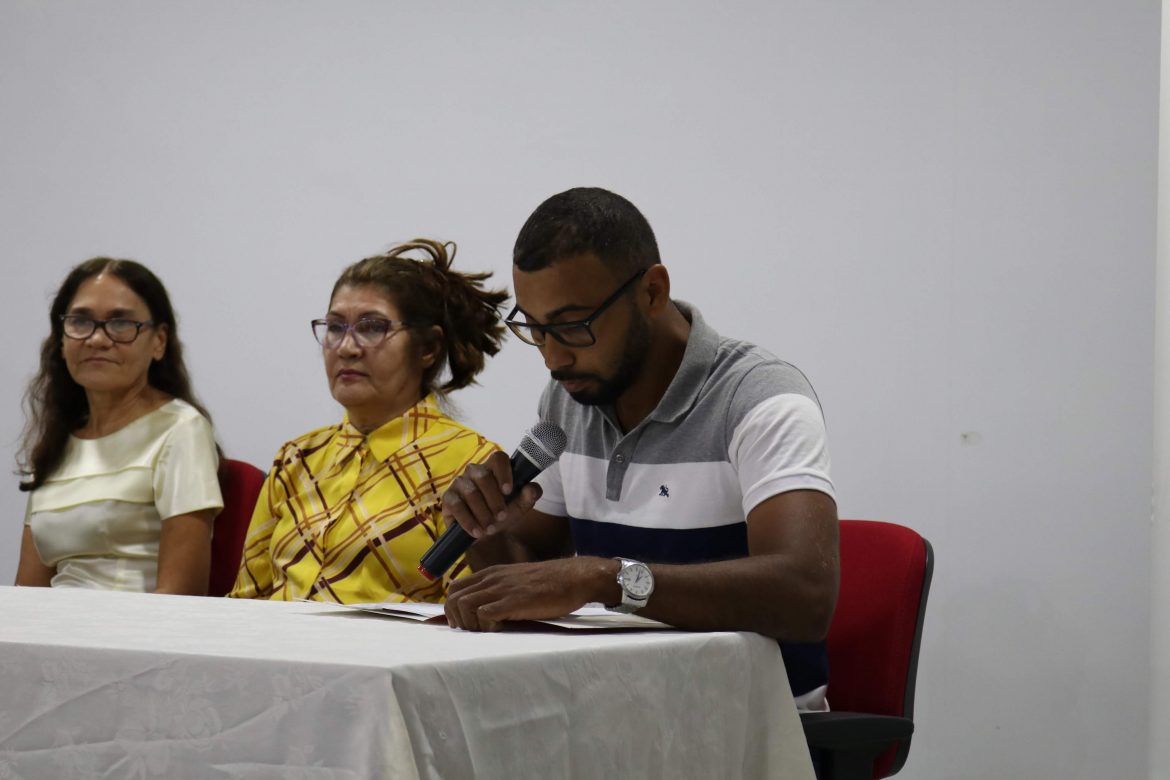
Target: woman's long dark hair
(55, 405)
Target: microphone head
(543, 444)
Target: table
(104, 684)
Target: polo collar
(688, 381)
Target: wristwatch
(636, 582)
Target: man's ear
(657, 287)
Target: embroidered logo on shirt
(664, 491)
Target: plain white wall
(943, 212)
(1160, 527)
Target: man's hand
(530, 591)
(785, 588)
(477, 498)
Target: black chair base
(847, 743)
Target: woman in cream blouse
(120, 459)
(348, 509)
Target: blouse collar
(394, 434)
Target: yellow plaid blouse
(345, 517)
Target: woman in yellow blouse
(348, 510)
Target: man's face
(571, 290)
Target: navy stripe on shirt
(807, 664)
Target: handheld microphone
(538, 450)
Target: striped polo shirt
(736, 426)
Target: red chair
(240, 483)
(873, 652)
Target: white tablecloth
(116, 685)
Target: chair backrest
(876, 631)
(240, 484)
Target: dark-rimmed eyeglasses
(117, 330)
(367, 332)
(578, 333)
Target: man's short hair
(587, 220)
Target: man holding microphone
(694, 488)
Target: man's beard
(609, 389)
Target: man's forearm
(762, 593)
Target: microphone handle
(455, 541)
(443, 553)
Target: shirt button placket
(615, 477)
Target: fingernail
(507, 489)
(501, 515)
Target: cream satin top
(99, 517)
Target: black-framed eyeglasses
(367, 332)
(577, 333)
(119, 330)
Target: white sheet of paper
(588, 617)
(405, 609)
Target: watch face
(637, 580)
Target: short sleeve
(186, 476)
(552, 497)
(780, 445)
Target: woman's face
(378, 381)
(98, 363)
